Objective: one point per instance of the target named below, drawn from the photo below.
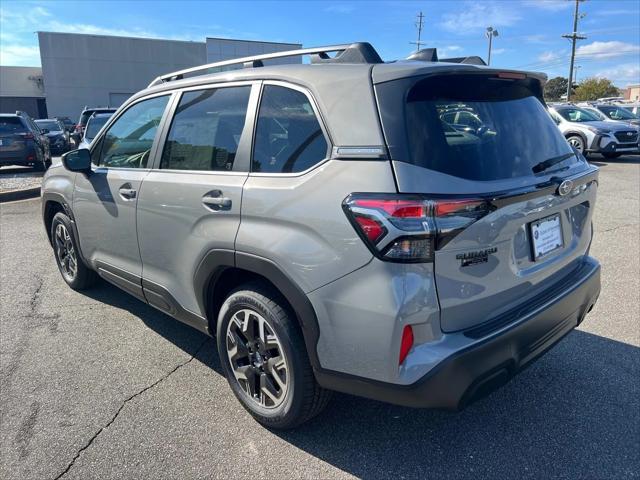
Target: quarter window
(206, 130)
(128, 141)
(288, 135)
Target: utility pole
(573, 37)
(419, 25)
(490, 33)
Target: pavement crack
(618, 227)
(124, 403)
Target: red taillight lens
(371, 228)
(78, 128)
(409, 228)
(406, 343)
(27, 136)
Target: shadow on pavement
(573, 414)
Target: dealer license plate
(546, 235)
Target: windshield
(618, 113)
(49, 125)
(482, 129)
(577, 115)
(94, 126)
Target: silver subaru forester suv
(335, 227)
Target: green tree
(555, 88)
(594, 88)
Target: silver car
(332, 230)
(586, 133)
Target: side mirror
(77, 161)
(44, 130)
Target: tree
(555, 88)
(594, 88)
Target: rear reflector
(409, 228)
(406, 343)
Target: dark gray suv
(333, 230)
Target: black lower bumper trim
(473, 372)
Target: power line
(574, 36)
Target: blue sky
(530, 30)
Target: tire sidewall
(290, 408)
(61, 218)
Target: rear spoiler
(431, 55)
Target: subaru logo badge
(565, 187)
(629, 134)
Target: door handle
(127, 193)
(215, 201)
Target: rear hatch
(13, 134)
(512, 202)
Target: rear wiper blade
(544, 165)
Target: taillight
(410, 228)
(27, 135)
(78, 128)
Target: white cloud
(549, 56)
(19, 55)
(89, 29)
(477, 16)
(449, 50)
(607, 49)
(498, 51)
(550, 5)
(628, 73)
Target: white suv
(587, 134)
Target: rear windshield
(482, 128)
(94, 126)
(10, 125)
(48, 124)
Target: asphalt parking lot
(99, 385)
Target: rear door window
(479, 128)
(206, 130)
(288, 135)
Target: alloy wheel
(576, 143)
(257, 358)
(65, 252)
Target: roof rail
(346, 53)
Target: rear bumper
(493, 359)
(18, 157)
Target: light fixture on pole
(490, 33)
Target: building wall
(219, 49)
(632, 92)
(98, 70)
(21, 82)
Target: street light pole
(490, 33)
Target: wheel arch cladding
(220, 271)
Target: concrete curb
(13, 195)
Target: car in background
(69, 126)
(58, 138)
(22, 142)
(84, 117)
(613, 113)
(588, 134)
(632, 107)
(94, 125)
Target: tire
(577, 142)
(611, 155)
(65, 249)
(296, 397)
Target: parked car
(613, 113)
(84, 117)
(332, 231)
(22, 142)
(69, 126)
(634, 108)
(58, 138)
(588, 134)
(94, 124)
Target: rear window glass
(9, 125)
(94, 125)
(48, 124)
(481, 128)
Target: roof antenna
(419, 25)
